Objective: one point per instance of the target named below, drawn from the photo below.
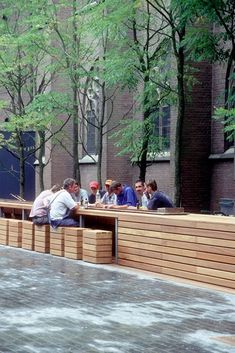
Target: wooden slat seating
(195, 248)
(42, 238)
(28, 235)
(192, 246)
(57, 241)
(15, 233)
(73, 242)
(4, 231)
(97, 246)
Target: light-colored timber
(189, 246)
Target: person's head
(55, 188)
(107, 185)
(94, 186)
(139, 187)
(69, 185)
(151, 186)
(116, 187)
(77, 187)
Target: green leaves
(227, 118)
(129, 139)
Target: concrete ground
(50, 304)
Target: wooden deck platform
(191, 246)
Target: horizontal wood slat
(190, 252)
(191, 246)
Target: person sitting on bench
(62, 206)
(157, 198)
(38, 212)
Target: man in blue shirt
(126, 197)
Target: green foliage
(44, 109)
(202, 45)
(227, 118)
(129, 138)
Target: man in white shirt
(62, 206)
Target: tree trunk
(22, 167)
(143, 159)
(76, 168)
(179, 127)
(146, 132)
(41, 154)
(100, 151)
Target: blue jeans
(65, 222)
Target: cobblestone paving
(55, 305)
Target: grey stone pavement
(50, 304)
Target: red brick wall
(222, 182)
(119, 168)
(196, 143)
(222, 170)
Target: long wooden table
(191, 246)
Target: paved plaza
(55, 305)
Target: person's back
(38, 208)
(159, 199)
(39, 212)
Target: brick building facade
(207, 169)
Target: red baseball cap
(94, 184)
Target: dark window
(162, 125)
(228, 141)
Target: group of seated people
(58, 205)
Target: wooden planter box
(15, 233)
(42, 238)
(57, 241)
(28, 235)
(97, 246)
(4, 229)
(73, 239)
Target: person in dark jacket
(158, 199)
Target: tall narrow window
(162, 126)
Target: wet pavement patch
(51, 304)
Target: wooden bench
(97, 246)
(4, 231)
(28, 235)
(42, 238)
(57, 241)
(73, 243)
(15, 233)
(195, 247)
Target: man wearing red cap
(94, 186)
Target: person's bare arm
(74, 210)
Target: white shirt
(108, 199)
(144, 201)
(60, 204)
